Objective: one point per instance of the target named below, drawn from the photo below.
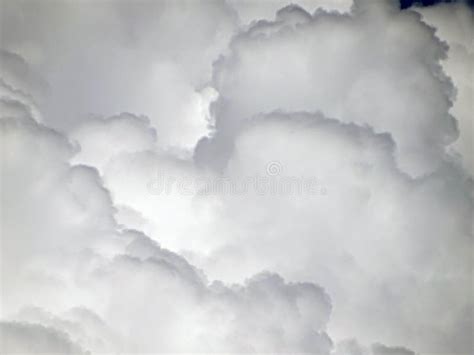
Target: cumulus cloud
(24, 338)
(169, 297)
(68, 252)
(265, 314)
(123, 56)
(66, 260)
(366, 67)
(454, 24)
(225, 176)
(101, 139)
(415, 228)
(251, 11)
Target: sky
(236, 177)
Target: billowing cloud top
(236, 177)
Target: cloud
(250, 11)
(414, 227)
(16, 73)
(23, 338)
(454, 24)
(21, 84)
(352, 347)
(325, 200)
(265, 314)
(70, 259)
(66, 267)
(381, 349)
(150, 58)
(100, 139)
(367, 67)
(49, 209)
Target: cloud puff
(17, 74)
(49, 208)
(366, 67)
(251, 11)
(68, 262)
(151, 58)
(414, 227)
(113, 238)
(19, 83)
(69, 258)
(265, 314)
(100, 140)
(454, 24)
(25, 338)
(352, 347)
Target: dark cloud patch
(405, 4)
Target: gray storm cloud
(117, 118)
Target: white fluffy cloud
(65, 262)
(367, 67)
(100, 140)
(62, 251)
(250, 11)
(24, 338)
(415, 227)
(151, 58)
(324, 210)
(454, 24)
(371, 239)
